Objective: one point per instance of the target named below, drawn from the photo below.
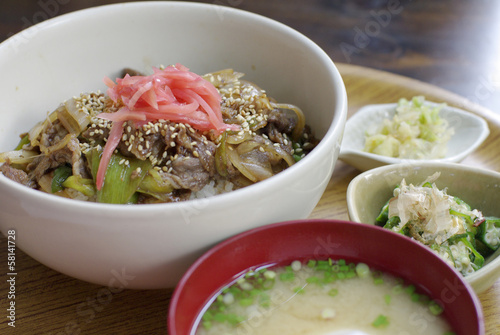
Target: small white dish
(470, 131)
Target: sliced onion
(279, 153)
(45, 182)
(260, 172)
(18, 156)
(236, 160)
(248, 146)
(39, 128)
(301, 119)
(245, 159)
(74, 119)
(59, 145)
(238, 138)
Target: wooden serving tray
(48, 302)
(368, 86)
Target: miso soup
(322, 298)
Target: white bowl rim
(325, 144)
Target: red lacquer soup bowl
(282, 243)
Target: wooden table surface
(452, 44)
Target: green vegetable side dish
(416, 131)
(461, 236)
(259, 294)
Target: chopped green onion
(246, 301)
(298, 290)
(287, 276)
(333, 292)
(311, 263)
(435, 308)
(397, 289)
(381, 321)
(313, 280)
(362, 270)
(410, 289)
(296, 265)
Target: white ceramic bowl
(470, 131)
(150, 246)
(368, 192)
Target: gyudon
(165, 137)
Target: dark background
(454, 44)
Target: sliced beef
(283, 120)
(189, 173)
(70, 154)
(52, 134)
(192, 144)
(194, 162)
(142, 146)
(17, 175)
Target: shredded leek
(83, 185)
(122, 179)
